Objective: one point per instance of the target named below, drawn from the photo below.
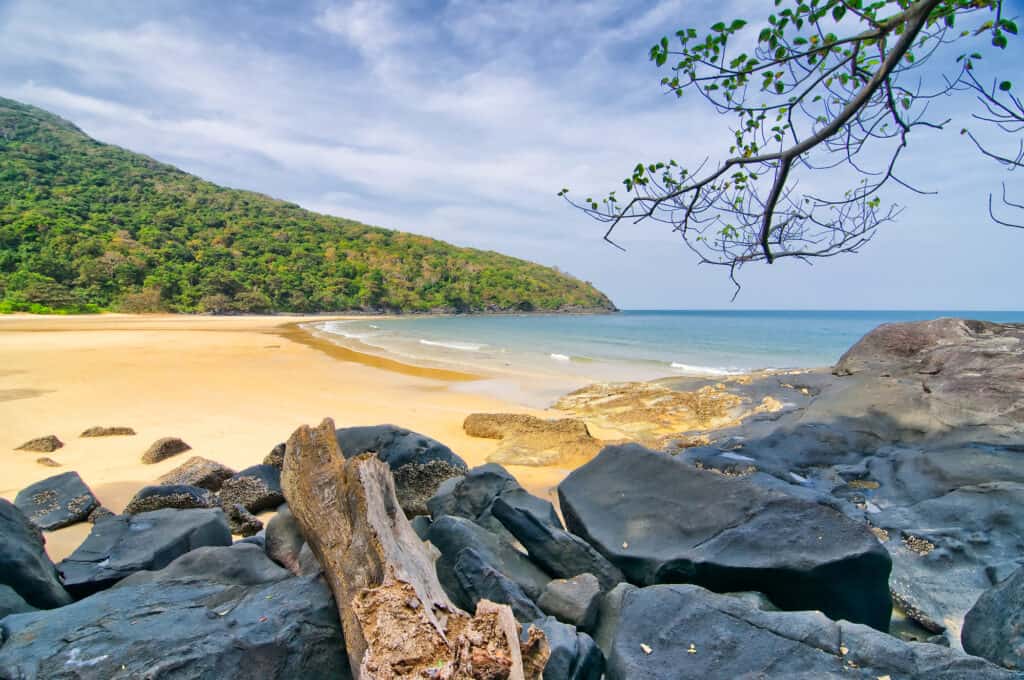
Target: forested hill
(87, 226)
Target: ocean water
(629, 345)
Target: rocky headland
(865, 521)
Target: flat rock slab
(199, 471)
(684, 631)
(528, 440)
(418, 463)
(662, 521)
(183, 629)
(104, 431)
(24, 565)
(124, 544)
(56, 502)
(255, 488)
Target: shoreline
(231, 387)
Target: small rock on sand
(164, 448)
(101, 431)
(47, 444)
(48, 462)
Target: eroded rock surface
(198, 471)
(528, 440)
(103, 431)
(994, 626)
(56, 502)
(47, 444)
(255, 488)
(177, 496)
(164, 448)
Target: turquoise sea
(629, 345)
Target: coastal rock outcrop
(47, 444)
(661, 521)
(528, 440)
(24, 564)
(56, 502)
(124, 544)
(177, 496)
(994, 626)
(672, 631)
(396, 618)
(198, 471)
(164, 448)
(213, 613)
(418, 463)
(255, 488)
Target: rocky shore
(866, 521)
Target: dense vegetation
(86, 226)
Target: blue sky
(462, 119)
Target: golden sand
(231, 387)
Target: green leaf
(740, 23)
(1005, 85)
(719, 27)
(999, 40)
(838, 11)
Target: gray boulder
(243, 522)
(994, 626)
(284, 539)
(478, 580)
(574, 656)
(256, 488)
(662, 521)
(178, 496)
(556, 551)
(450, 535)
(472, 496)
(215, 614)
(56, 502)
(12, 603)
(24, 565)
(124, 544)
(574, 600)
(418, 463)
(198, 471)
(676, 631)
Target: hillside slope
(86, 226)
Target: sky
(462, 119)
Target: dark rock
(48, 462)
(198, 471)
(56, 502)
(47, 444)
(671, 631)
(451, 535)
(558, 552)
(662, 521)
(101, 431)
(12, 603)
(421, 525)
(309, 564)
(259, 539)
(124, 544)
(185, 625)
(256, 488)
(574, 600)
(418, 463)
(284, 539)
(276, 456)
(994, 626)
(473, 495)
(24, 565)
(239, 564)
(164, 448)
(178, 496)
(574, 656)
(243, 522)
(99, 512)
(478, 580)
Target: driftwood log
(397, 620)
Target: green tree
(833, 86)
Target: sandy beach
(231, 387)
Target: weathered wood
(397, 620)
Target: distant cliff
(87, 226)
